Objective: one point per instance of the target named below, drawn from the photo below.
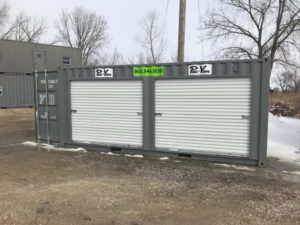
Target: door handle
(158, 114)
(245, 117)
(73, 111)
(139, 113)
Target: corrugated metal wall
(17, 90)
(47, 111)
(19, 57)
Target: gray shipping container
(18, 62)
(23, 57)
(213, 110)
(16, 90)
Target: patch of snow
(223, 165)
(109, 153)
(244, 168)
(51, 147)
(134, 156)
(30, 143)
(283, 152)
(284, 139)
(292, 172)
(71, 150)
(164, 158)
(177, 161)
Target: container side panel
(17, 91)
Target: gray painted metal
(18, 62)
(17, 90)
(22, 57)
(47, 114)
(60, 126)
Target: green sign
(148, 71)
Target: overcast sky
(123, 17)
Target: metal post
(47, 108)
(37, 106)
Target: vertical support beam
(148, 113)
(256, 71)
(47, 107)
(61, 106)
(264, 111)
(181, 31)
(64, 112)
(37, 119)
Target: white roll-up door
(210, 116)
(107, 112)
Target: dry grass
(292, 100)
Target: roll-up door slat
(107, 112)
(210, 116)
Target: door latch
(245, 117)
(158, 114)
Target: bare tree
(284, 81)
(295, 80)
(291, 77)
(173, 57)
(4, 16)
(26, 28)
(255, 28)
(82, 29)
(151, 38)
(131, 60)
(298, 85)
(114, 58)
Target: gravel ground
(47, 187)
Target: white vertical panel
(107, 112)
(210, 116)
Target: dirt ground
(48, 187)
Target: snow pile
(109, 153)
(134, 156)
(244, 168)
(127, 155)
(164, 158)
(284, 139)
(51, 147)
(30, 143)
(292, 172)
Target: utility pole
(181, 31)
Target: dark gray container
(16, 90)
(213, 110)
(24, 57)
